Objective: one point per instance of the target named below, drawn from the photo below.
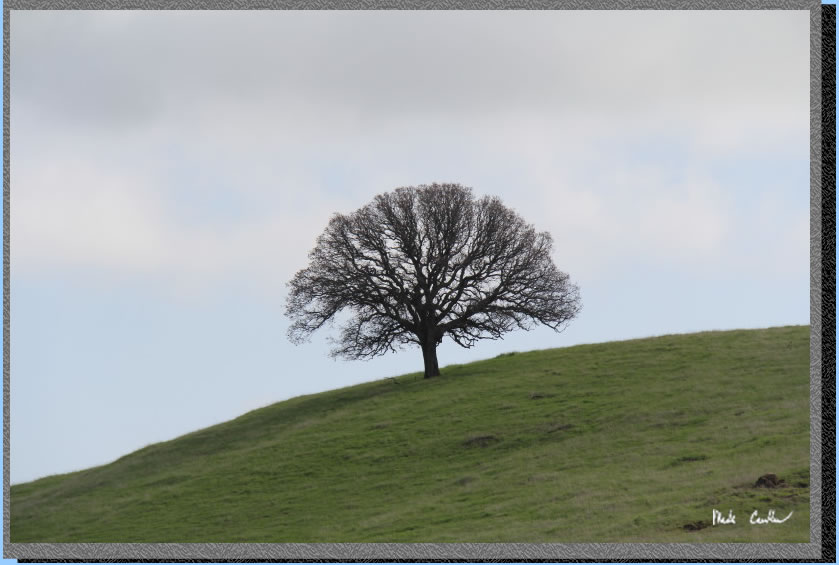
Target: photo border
(822, 546)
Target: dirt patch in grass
(695, 526)
(689, 459)
(557, 427)
(481, 441)
(770, 480)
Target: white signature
(770, 518)
(718, 518)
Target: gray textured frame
(450, 551)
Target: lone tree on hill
(419, 263)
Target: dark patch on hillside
(481, 441)
(558, 427)
(770, 480)
(689, 459)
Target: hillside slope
(624, 441)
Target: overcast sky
(170, 172)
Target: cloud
(78, 216)
(383, 65)
(81, 214)
(196, 147)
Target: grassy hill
(616, 442)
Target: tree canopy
(420, 263)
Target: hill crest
(620, 441)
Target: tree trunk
(429, 357)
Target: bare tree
(420, 263)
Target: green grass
(614, 442)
